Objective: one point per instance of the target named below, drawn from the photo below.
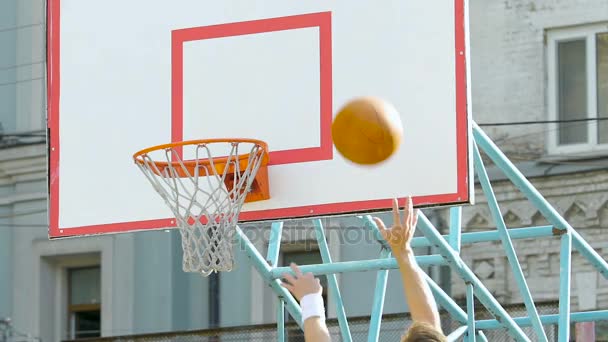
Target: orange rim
(185, 168)
(138, 156)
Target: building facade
(535, 61)
(538, 62)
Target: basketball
(367, 130)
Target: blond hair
(423, 332)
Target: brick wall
(509, 64)
(582, 199)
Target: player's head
(422, 332)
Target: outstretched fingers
(381, 227)
(410, 219)
(396, 215)
(407, 212)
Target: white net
(205, 185)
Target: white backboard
(125, 75)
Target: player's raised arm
(417, 292)
(307, 289)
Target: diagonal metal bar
(534, 196)
(565, 267)
(264, 270)
(332, 281)
(378, 303)
(470, 313)
(272, 257)
(507, 244)
(481, 292)
(381, 281)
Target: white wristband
(312, 306)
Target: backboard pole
(280, 320)
(378, 302)
(470, 336)
(274, 243)
(456, 227)
(565, 274)
(272, 257)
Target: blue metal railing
(448, 247)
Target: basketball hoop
(205, 183)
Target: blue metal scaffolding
(448, 247)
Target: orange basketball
(367, 130)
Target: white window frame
(554, 36)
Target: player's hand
(400, 234)
(301, 284)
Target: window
(578, 89)
(84, 302)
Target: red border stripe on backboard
(116, 227)
(462, 116)
(326, 86)
(53, 78)
(321, 20)
(341, 208)
(177, 87)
